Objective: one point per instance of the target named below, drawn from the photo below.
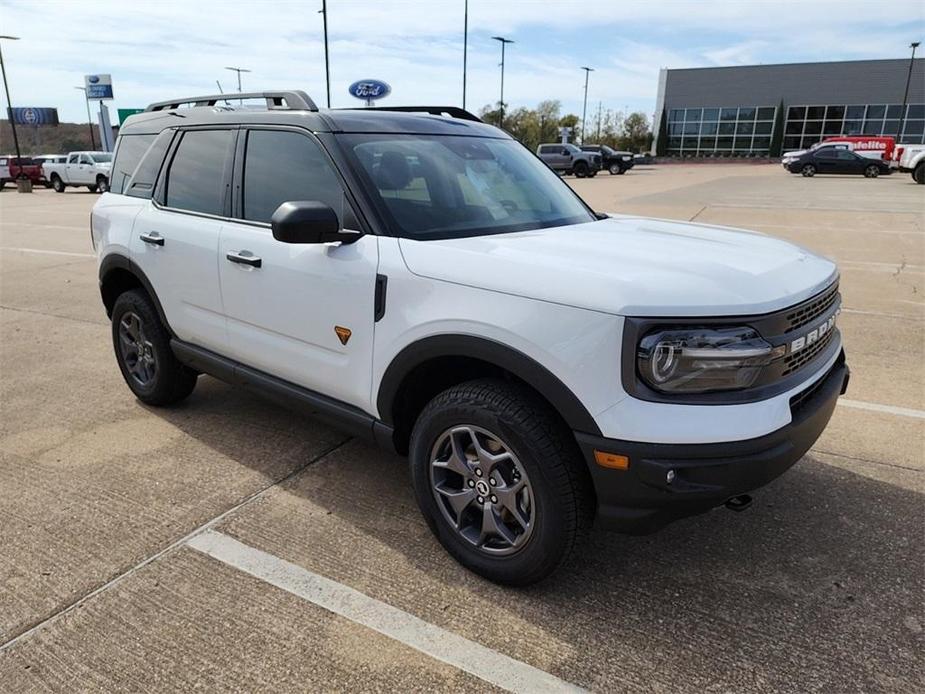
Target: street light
(89, 117)
(327, 68)
(9, 105)
(503, 42)
(239, 70)
(902, 115)
(465, 47)
(584, 109)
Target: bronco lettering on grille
(813, 335)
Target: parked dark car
(829, 160)
(613, 161)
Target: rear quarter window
(141, 183)
(197, 174)
(130, 150)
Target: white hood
(631, 266)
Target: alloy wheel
(482, 489)
(136, 350)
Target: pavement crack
(699, 212)
(865, 460)
(50, 315)
(171, 547)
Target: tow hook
(739, 503)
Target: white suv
(419, 278)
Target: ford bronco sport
(421, 279)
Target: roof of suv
(221, 109)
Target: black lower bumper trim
(665, 482)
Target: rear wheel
(581, 169)
(872, 171)
(918, 175)
(57, 183)
(142, 346)
(500, 481)
(808, 170)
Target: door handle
(244, 258)
(153, 238)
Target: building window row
(807, 125)
(740, 129)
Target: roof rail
(452, 111)
(293, 100)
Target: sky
(165, 49)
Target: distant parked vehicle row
(868, 146)
(569, 159)
(90, 169)
(12, 168)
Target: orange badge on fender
(343, 334)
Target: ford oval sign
(369, 90)
(93, 79)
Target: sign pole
(9, 110)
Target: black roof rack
(293, 100)
(452, 111)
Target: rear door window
(197, 178)
(282, 166)
(128, 154)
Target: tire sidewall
(57, 184)
(102, 184)
(548, 540)
(809, 171)
(581, 170)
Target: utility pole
(503, 41)
(239, 70)
(465, 47)
(9, 104)
(599, 107)
(588, 71)
(327, 67)
(902, 116)
(89, 117)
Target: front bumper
(640, 499)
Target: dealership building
(719, 111)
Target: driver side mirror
(309, 221)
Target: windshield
(444, 186)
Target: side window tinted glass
(129, 152)
(72, 159)
(141, 182)
(84, 159)
(280, 166)
(196, 179)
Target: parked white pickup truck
(90, 169)
(912, 160)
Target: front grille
(796, 360)
(806, 313)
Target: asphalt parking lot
(227, 544)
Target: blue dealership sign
(98, 86)
(369, 90)
(33, 115)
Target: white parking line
(886, 409)
(445, 646)
(44, 252)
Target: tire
(92, 189)
(918, 175)
(57, 183)
(614, 169)
(556, 499)
(157, 378)
(871, 171)
(102, 184)
(808, 170)
(581, 169)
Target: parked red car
(11, 167)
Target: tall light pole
(9, 105)
(89, 117)
(465, 47)
(503, 41)
(584, 109)
(239, 70)
(902, 115)
(327, 67)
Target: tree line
(630, 132)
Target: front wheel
(808, 170)
(142, 346)
(581, 170)
(102, 184)
(500, 481)
(871, 171)
(918, 175)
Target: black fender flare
(512, 360)
(118, 261)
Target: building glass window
(856, 119)
(734, 126)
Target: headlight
(700, 360)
